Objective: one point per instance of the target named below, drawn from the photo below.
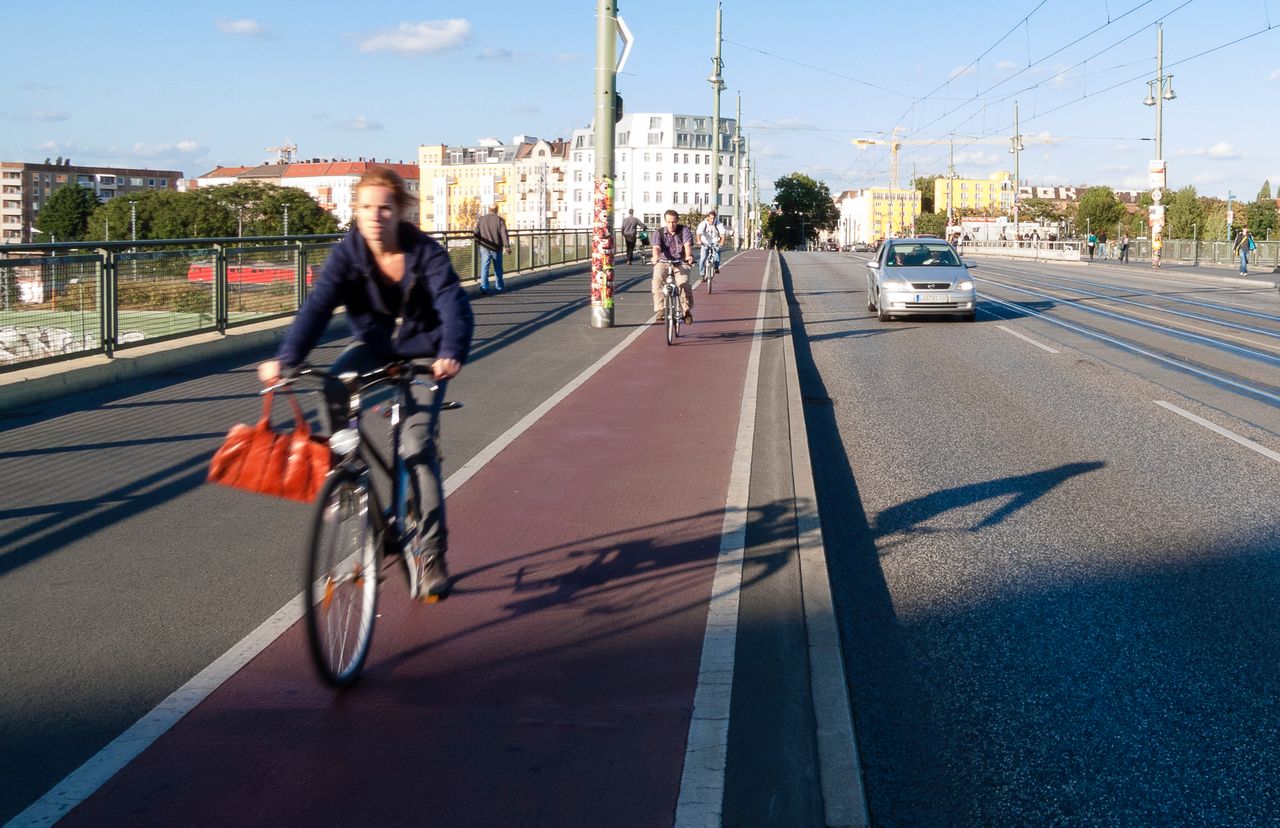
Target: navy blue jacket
(437, 320)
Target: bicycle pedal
(433, 599)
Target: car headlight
(964, 284)
(895, 285)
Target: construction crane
(895, 144)
(284, 152)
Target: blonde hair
(377, 176)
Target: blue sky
(195, 85)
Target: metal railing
(67, 300)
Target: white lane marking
(1028, 339)
(81, 783)
(701, 798)
(1225, 432)
(1120, 343)
(1185, 334)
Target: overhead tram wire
(1100, 52)
(971, 63)
(822, 69)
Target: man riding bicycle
(710, 237)
(672, 253)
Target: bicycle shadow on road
(635, 577)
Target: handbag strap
(298, 417)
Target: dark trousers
(631, 247)
(419, 431)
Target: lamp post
(286, 220)
(1016, 147)
(1159, 90)
(133, 220)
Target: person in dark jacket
(491, 235)
(403, 301)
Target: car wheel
(881, 314)
(969, 317)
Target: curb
(839, 767)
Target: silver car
(919, 276)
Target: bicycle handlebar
(390, 371)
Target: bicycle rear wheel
(672, 310)
(342, 579)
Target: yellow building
(457, 183)
(993, 193)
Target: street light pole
(1016, 148)
(286, 220)
(717, 86)
(606, 80)
(1159, 91)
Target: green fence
(59, 301)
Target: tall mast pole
(717, 86)
(602, 202)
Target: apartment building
(993, 193)
(331, 183)
(876, 213)
(662, 160)
(525, 178)
(24, 187)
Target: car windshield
(921, 255)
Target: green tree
(803, 207)
(933, 224)
(1098, 211)
(925, 185)
(1039, 209)
(1184, 215)
(306, 216)
(65, 216)
(1215, 218)
(1261, 214)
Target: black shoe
(484, 292)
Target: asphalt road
(1057, 588)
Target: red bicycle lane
(555, 686)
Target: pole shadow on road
(1022, 490)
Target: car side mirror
(873, 265)
(967, 264)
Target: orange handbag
(259, 459)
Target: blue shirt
(672, 246)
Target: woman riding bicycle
(387, 271)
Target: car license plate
(933, 298)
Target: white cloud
(1274, 75)
(960, 71)
(143, 150)
(44, 115)
(499, 55)
(1220, 150)
(768, 151)
(247, 28)
(1208, 178)
(419, 38)
(1006, 66)
(978, 158)
(358, 124)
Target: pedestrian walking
(631, 228)
(491, 235)
(1244, 245)
(1092, 244)
(1124, 248)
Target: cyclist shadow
(637, 576)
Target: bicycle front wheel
(672, 310)
(342, 579)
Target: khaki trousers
(682, 281)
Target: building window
(646, 176)
(655, 122)
(686, 178)
(646, 196)
(646, 156)
(655, 138)
(657, 176)
(657, 156)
